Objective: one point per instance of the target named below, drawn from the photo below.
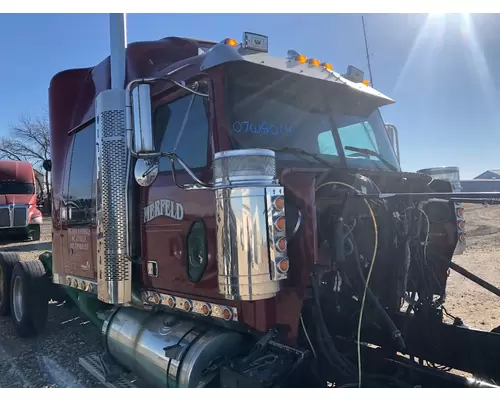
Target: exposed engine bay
(380, 262)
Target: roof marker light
(327, 66)
(366, 83)
(314, 62)
(231, 42)
(300, 58)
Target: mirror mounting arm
(198, 185)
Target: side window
(80, 194)
(326, 144)
(192, 146)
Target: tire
(7, 262)
(29, 300)
(35, 233)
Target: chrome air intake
(113, 265)
(251, 239)
(249, 166)
(165, 350)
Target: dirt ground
(477, 307)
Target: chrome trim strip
(187, 305)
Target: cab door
(169, 212)
(77, 236)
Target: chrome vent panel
(113, 265)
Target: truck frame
(228, 218)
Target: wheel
(34, 232)
(28, 298)
(7, 262)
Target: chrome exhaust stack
(114, 268)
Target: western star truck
(229, 218)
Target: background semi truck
(452, 174)
(19, 214)
(228, 218)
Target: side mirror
(47, 165)
(141, 119)
(393, 135)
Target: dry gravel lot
(51, 360)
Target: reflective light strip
(85, 285)
(277, 233)
(191, 306)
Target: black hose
(395, 333)
(344, 367)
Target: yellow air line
(363, 300)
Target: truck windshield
(16, 188)
(442, 173)
(451, 174)
(270, 109)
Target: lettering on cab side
(163, 208)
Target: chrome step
(93, 365)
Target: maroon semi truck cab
(19, 214)
(209, 185)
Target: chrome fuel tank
(165, 350)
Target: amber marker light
(283, 265)
(227, 314)
(280, 223)
(231, 42)
(301, 59)
(279, 203)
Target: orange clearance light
(227, 314)
(366, 83)
(281, 244)
(280, 223)
(279, 203)
(327, 66)
(314, 62)
(462, 237)
(187, 305)
(460, 212)
(300, 58)
(155, 299)
(171, 302)
(461, 225)
(231, 42)
(283, 265)
(206, 309)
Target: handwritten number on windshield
(262, 128)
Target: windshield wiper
(297, 151)
(372, 153)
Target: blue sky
(440, 70)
